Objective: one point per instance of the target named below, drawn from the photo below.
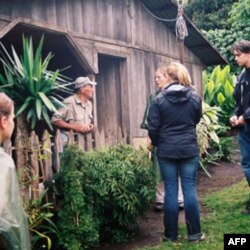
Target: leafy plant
(240, 18)
(77, 224)
(104, 193)
(27, 80)
(206, 132)
(40, 221)
(124, 184)
(223, 148)
(216, 13)
(226, 21)
(218, 91)
(206, 129)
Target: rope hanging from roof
(180, 27)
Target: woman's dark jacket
(242, 95)
(172, 121)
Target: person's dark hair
(242, 46)
(6, 105)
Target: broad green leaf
(38, 108)
(221, 98)
(57, 102)
(46, 118)
(214, 74)
(47, 102)
(23, 107)
(18, 63)
(33, 121)
(207, 119)
(228, 89)
(210, 87)
(214, 137)
(30, 114)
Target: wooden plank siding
(104, 19)
(123, 43)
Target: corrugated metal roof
(195, 41)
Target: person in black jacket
(159, 201)
(241, 118)
(172, 121)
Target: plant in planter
(29, 82)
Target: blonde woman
(172, 121)
(14, 232)
(160, 81)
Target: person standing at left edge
(14, 232)
(172, 121)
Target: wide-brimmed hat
(82, 81)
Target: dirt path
(150, 231)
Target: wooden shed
(120, 43)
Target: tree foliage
(226, 21)
(215, 13)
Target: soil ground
(150, 231)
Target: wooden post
(47, 156)
(22, 165)
(34, 149)
(58, 148)
(88, 141)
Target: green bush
(77, 226)
(106, 192)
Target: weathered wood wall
(117, 28)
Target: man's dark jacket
(242, 95)
(172, 121)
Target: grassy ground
(224, 217)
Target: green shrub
(78, 229)
(104, 194)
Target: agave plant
(27, 80)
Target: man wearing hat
(77, 113)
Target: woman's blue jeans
(187, 169)
(244, 142)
